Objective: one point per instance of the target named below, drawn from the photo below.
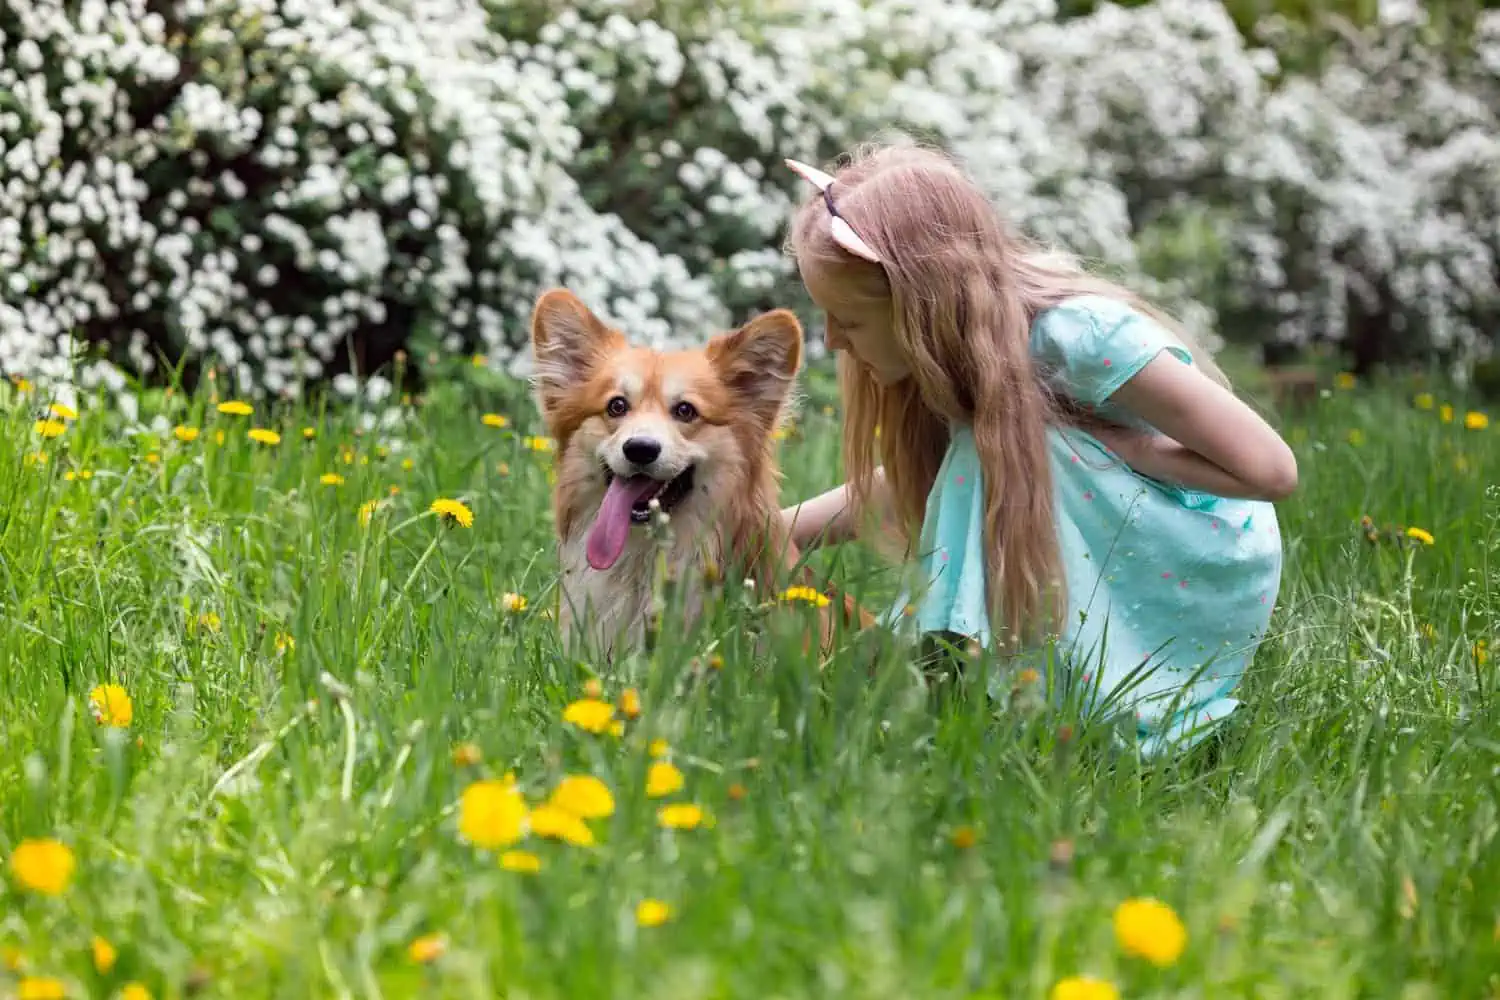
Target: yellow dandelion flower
(104, 954)
(1423, 401)
(41, 988)
(218, 437)
(152, 458)
(453, 511)
(407, 464)
(1481, 653)
(427, 948)
(210, 621)
(50, 428)
(652, 913)
(1344, 380)
(467, 755)
(331, 479)
(235, 408)
(134, 991)
(591, 714)
(1084, 988)
(1420, 535)
(1476, 421)
(662, 779)
(538, 443)
(585, 796)
(492, 814)
(964, 838)
(1028, 675)
(367, 511)
(1150, 929)
(261, 435)
(22, 385)
(185, 434)
(478, 361)
(593, 688)
(658, 748)
(308, 433)
(630, 703)
(521, 861)
(1356, 437)
(503, 468)
(494, 420)
(1445, 413)
(35, 458)
(806, 595)
(63, 411)
(553, 823)
(43, 865)
(512, 603)
(110, 705)
(681, 816)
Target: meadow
(274, 726)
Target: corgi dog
(688, 433)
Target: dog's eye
(685, 411)
(617, 407)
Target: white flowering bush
(1368, 200)
(291, 191)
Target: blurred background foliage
(292, 196)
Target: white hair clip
(843, 233)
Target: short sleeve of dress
(1089, 346)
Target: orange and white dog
(688, 432)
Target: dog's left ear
(759, 361)
(567, 341)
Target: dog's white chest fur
(609, 609)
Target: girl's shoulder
(1090, 345)
(1091, 314)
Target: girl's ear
(759, 361)
(567, 342)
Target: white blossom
(332, 166)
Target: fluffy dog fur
(692, 427)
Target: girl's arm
(1211, 440)
(828, 518)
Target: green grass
(284, 823)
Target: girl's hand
(828, 518)
(1210, 440)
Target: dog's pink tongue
(612, 527)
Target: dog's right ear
(567, 341)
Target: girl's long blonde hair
(962, 289)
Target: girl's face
(862, 328)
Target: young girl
(1062, 461)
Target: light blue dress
(1169, 591)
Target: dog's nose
(641, 450)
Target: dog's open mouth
(668, 494)
(627, 501)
